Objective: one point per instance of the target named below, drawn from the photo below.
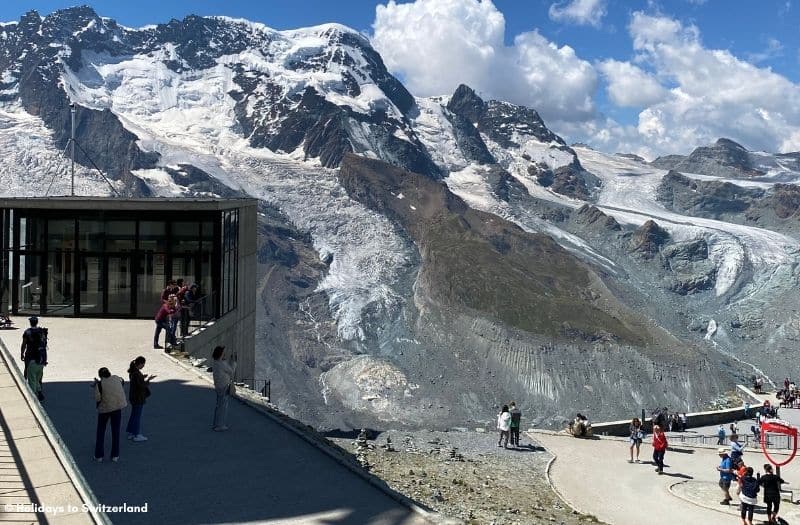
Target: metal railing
(774, 441)
(201, 311)
(260, 386)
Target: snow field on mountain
(189, 118)
(628, 193)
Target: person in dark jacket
(748, 496)
(139, 391)
(772, 492)
(516, 418)
(34, 355)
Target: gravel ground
(483, 483)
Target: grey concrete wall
(694, 420)
(236, 330)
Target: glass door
(91, 284)
(151, 280)
(120, 277)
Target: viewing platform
(257, 472)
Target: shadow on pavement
(188, 474)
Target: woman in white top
(503, 425)
(223, 370)
(110, 398)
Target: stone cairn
(362, 447)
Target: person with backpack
(34, 355)
(138, 392)
(748, 496)
(659, 448)
(772, 492)
(516, 418)
(109, 395)
(721, 435)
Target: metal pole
(72, 111)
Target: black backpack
(37, 345)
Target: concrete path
(594, 476)
(258, 472)
(32, 478)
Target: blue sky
(764, 34)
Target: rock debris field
(465, 476)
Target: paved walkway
(258, 472)
(595, 477)
(31, 475)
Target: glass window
(30, 283)
(61, 234)
(185, 237)
(91, 285)
(120, 236)
(32, 233)
(153, 236)
(90, 233)
(119, 284)
(151, 281)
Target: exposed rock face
(692, 272)
(648, 239)
(713, 199)
(591, 217)
(724, 158)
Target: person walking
(748, 496)
(110, 397)
(637, 435)
(772, 492)
(138, 392)
(503, 425)
(223, 371)
(726, 474)
(721, 435)
(516, 418)
(33, 353)
(659, 448)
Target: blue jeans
(221, 410)
(163, 325)
(135, 421)
(100, 438)
(658, 459)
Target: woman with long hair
(223, 370)
(138, 392)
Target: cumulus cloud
(629, 85)
(580, 12)
(714, 93)
(435, 45)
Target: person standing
(721, 435)
(503, 425)
(772, 492)
(163, 323)
(34, 355)
(748, 496)
(637, 435)
(110, 397)
(516, 418)
(659, 448)
(725, 470)
(138, 392)
(737, 449)
(223, 371)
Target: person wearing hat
(223, 371)
(34, 354)
(725, 470)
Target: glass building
(79, 256)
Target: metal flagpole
(72, 150)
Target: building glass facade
(115, 263)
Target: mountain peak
(728, 143)
(467, 103)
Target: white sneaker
(130, 436)
(99, 460)
(115, 459)
(139, 438)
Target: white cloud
(629, 85)
(581, 12)
(435, 45)
(715, 94)
(773, 49)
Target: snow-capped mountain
(422, 259)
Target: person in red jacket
(659, 448)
